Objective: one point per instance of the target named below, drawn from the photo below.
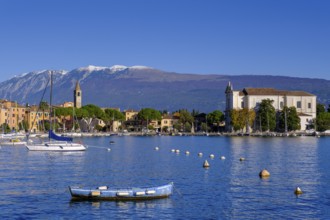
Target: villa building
(35, 118)
(12, 114)
(130, 115)
(250, 98)
(168, 121)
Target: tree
(204, 127)
(242, 118)
(89, 112)
(165, 129)
(323, 121)
(185, 117)
(320, 108)
(149, 114)
(214, 118)
(43, 106)
(267, 115)
(187, 127)
(235, 119)
(292, 119)
(329, 108)
(5, 128)
(113, 115)
(94, 111)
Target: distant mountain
(139, 87)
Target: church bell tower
(77, 96)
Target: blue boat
(121, 194)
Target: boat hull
(56, 146)
(125, 194)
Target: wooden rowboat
(120, 194)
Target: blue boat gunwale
(131, 193)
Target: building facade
(250, 98)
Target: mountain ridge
(140, 87)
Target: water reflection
(229, 189)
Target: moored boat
(15, 142)
(119, 194)
(55, 143)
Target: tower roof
(77, 86)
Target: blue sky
(268, 37)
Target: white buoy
(241, 159)
(298, 191)
(156, 148)
(264, 173)
(109, 149)
(200, 154)
(173, 150)
(187, 152)
(177, 151)
(206, 164)
(211, 156)
(222, 157)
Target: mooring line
(176, 190)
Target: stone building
(250, 98)
(77, 96)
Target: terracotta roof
(271, 91)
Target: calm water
(34, 185)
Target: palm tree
(43, 106)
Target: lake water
(34, 185)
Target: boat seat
(102, 187)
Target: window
(306, 119)
(242, 104)
(309, 105)
(298, 104)
(281, 104)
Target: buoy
(177, 151)
(109, 149)
(211, 156)
(200, 154)
(187, 152)
(173, 150)
(298, 191)
(156, 148)
(206, 164)
(222, 157)
(242, 159)
(264, 173)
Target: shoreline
(264, 134)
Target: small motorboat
(121, 194)
(112, 142)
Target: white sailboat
(55, 143)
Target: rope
(176, 190)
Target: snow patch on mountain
(140, 67)
(116, 68)
(91, 68)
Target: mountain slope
(140, 87)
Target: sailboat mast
(50, 102)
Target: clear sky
(275, 37)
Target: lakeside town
(251, 111)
